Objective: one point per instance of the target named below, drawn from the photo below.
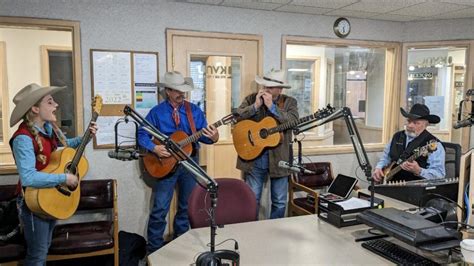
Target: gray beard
(410, 134)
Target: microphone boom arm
(360, 152)
(175, 150)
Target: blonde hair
(28, 118)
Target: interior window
(342, 76)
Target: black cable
(443, 197)
(222, 242)
(456, 222)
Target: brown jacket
(282, 151)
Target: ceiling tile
(428, 9)
(271, 1)
(304, 9)
(250, 5)
(393, 17)
(381, 6)
(464, 13)
(324, 3)
(459, 2)
(353, 14)
(208, 2)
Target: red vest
(50, 144)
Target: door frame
(171, 33)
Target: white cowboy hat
(27, 97)
(274, 78)
(175, 80)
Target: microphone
(462, 123)
(124, 155)
(295, 168)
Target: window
(45, 52)
(355, 74)
(435, 75)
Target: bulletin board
(122, 78)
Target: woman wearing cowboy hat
(269, 101)
(170, 116)
(32, 144)
(406, 141)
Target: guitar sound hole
(264, 133)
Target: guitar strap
(417, 142)
(190, 116)
(281, 102)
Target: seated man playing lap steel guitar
(269, 101)
(172, 115)
(413, 153)
(32, 144)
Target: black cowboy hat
(420, 111)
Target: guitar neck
(194, 137)
(82, 146)
(292, 124)
(397, 169)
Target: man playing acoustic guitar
(269, 101)
(172, 115)
(404, 144)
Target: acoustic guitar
(160, 167)
(60, 202)
(393, 168)
(250, 137)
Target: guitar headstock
(228, 119)
(325, 112)
(427, 149)
(97, 104)
(432, 145)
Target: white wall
(141, 25)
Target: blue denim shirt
(436, 161)
(160, 116)
(25, 160)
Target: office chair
(302, 189)
(236, 203)
(453, 159)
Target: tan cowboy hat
(175, 80)
(27, 97)
(274, 78)
(421, 111)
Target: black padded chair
(453, 159)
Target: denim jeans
(278, 186)
(38, 233)
(163, 193)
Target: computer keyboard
(395, 253)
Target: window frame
(44, 24)
(465, 131)
(392, 81)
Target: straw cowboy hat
(27, 97)
(274, 78)
(421, 111)
(175, 80)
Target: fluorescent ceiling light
(298, 69)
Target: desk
(299, 240)
(287, 241)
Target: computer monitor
(410, 228)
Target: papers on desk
(354, 203)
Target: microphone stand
(208, 257)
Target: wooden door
(224, 68)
